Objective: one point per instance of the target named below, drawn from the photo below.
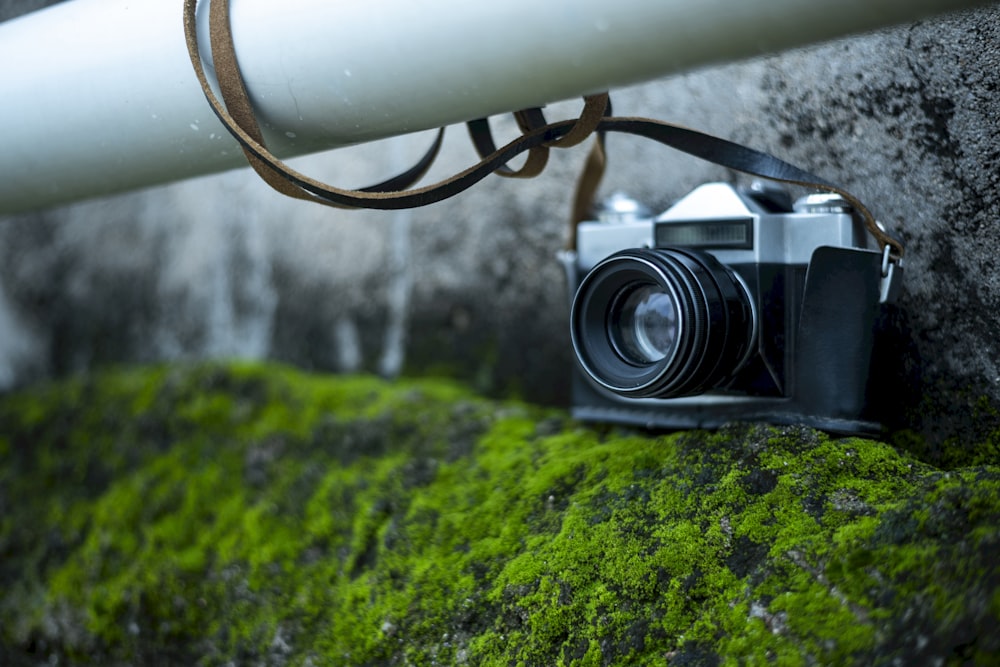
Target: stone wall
(221, 266)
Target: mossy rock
(254, 514)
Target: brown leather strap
(301, 186)
(241, 114)
(238, 117)
(529, 120)
(586, 188)
(482, 139)
(749, 161)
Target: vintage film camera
(733, 305)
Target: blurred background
(221, 266)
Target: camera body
(730, 306)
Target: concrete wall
(907, 118)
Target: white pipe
(98, 96)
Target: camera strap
(537, 137)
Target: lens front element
(662, 323)
(643, 324)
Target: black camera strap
(537, 137)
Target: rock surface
(254, 514)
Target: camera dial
(662, 323)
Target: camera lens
(661, 323)
(644, 328)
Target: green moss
(254, 513)
(976, 418)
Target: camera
(732, 305)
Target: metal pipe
(98, 96)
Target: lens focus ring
(661, 323)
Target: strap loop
(537, 137)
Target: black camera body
(730, 306)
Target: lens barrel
(662, 323)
